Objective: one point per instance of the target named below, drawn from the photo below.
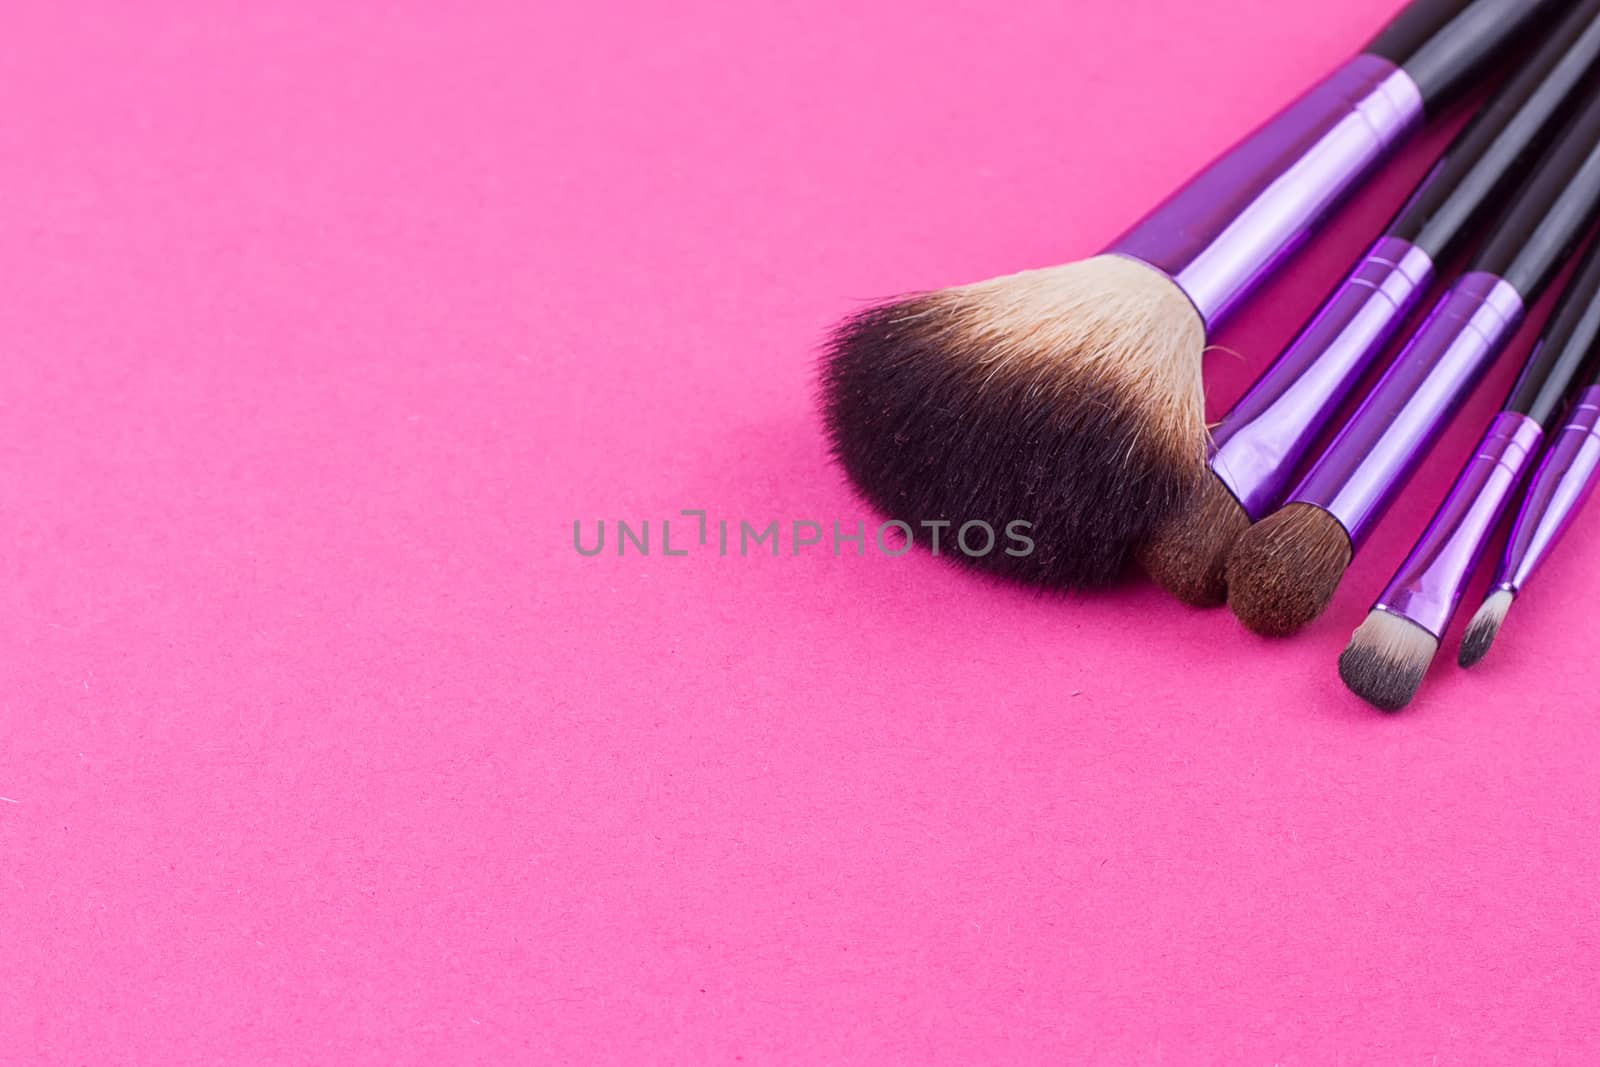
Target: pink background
(322, 323)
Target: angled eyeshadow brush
(1070, 398)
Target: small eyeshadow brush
(1390, 653)
(1566, 476)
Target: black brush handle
(1444, 45)
(1552, 212)
(1567, 347)
(1494, 152)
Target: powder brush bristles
(1284, 570)
(1069, 398)
(1187, 555)
(1386, 660)
(1485, 627)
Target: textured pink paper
(322, 323)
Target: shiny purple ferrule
(1565, 480)
(1220, 234)
(1428, 587)
(1261, 442)
(1377, 451)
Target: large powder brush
(1070, 398)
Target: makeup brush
(1284, 570)
(1261, 442)
(1391, 651)
(1070, 397)
(1568, 473)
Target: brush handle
(1497, 148)
(1565, 480)
(1220, 234)
(1428, 586)
(1552, 212)
(1568, 346)
(1263, 439)
(1377, 451)
(1224, 231)
(1443, 45)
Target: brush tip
(1485, 627)
(1386, 660)
(1284, 570)
(1188, 553)
(1068, 398)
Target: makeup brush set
(1071, 397)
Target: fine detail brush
(1390, 653)
(1260, 443)
(1284, 570)
(1566, 476)
(1070, 397)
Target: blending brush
(1391, 651)
(1284, 570)
(1567, 475)
(1259, 444)
(1070, 398)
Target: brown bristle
(1188, 553)
(1284, 570)
(1387, 659)
(1068, 398)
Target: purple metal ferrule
(1224, 230)
(1263, 439)
(1429, 584)
(1565, 480)
(1402, 417)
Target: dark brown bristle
(1066, 398)
(1387, 660)
(1188, 553)
(1284, 570)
